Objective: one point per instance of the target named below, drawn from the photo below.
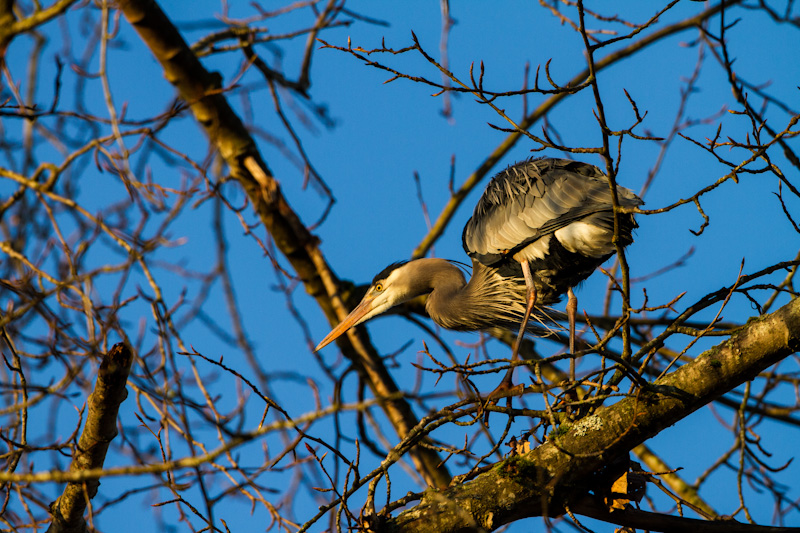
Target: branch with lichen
(551, 478)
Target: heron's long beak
(355, 316)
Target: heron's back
(554, 213)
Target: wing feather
(537, 198)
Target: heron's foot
(506, 389)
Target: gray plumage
(552, 215)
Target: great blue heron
(541, 227)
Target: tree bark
(100, 429)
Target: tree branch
(202, 90)
(100, 429)
(635, 518)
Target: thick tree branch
(100, 429)
(542, 481)
(202, 90)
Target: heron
(540, 228)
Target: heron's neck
(446, 286)
(488, 300)
(438, 277)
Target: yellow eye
(379, 287)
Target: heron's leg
(572, 309)
(508, 381)
(530, 302)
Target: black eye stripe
(383, 274)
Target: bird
(541, 227)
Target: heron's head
(394, 285)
